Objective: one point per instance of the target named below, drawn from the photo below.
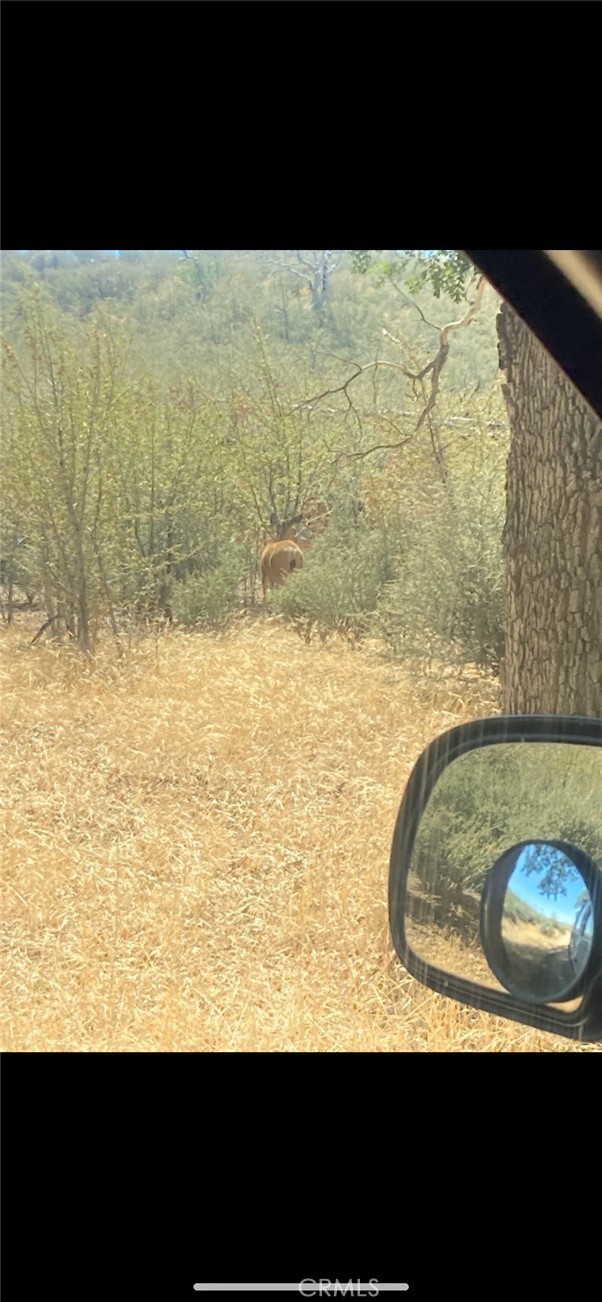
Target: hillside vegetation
(159, 408)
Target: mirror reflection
(486, 802)
(537, 920)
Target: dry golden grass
(196, 847)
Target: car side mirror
(495, 887)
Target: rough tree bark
(553, 534)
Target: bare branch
(305, 263)
(411, 303)
(439, 361)
(471, 311)
(286, 266)
(309, 403)
(377, 447)
(417, 377)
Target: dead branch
(377, 447)
(435, 367)
(45, 625)
(410, 303)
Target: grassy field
(196, 843)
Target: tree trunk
(84, 634)
(10, 596)
(553, 534)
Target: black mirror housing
(478, 792)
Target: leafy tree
(64, 400)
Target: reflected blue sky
(525, 885)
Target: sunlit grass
(196, 843)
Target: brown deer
(281, 557)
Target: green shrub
(211, 596)
(447, 597)
(340, 582)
